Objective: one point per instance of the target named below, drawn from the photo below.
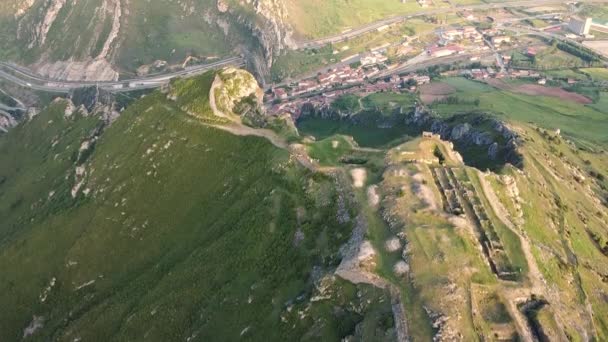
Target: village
(472, 52)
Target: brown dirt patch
(534, 89)
(500, 84)
(432, 92)
(539, 90)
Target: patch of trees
(453, 100)
(437, 153)
(347, 103)
(597, 175)
(601, 245)
(584, 54)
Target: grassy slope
(574, 120)
(180, 232)
(557, 210)
(334, 16)
(161, 30)
(150, 30)
(369, 113)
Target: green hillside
(128, 35)
(174, 234)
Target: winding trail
(535, 276)
(242, 130)
(537, 283)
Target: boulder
(493, 151)
(401, 268)
(459, 131)
(482, 138)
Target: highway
(396, 19)
(25, 78)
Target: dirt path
(242, 130)
(217, 82)
(535, 277)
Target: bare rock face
(92, 70)
(22, 7)
(493, 151)
(6, 121)
(273, 33)
(401, 268)
(42, 29)
(222, 6)
(111, 7)
(393, 244)
(459, 131)
(235, 84)
(86, 59)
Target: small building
(280, 93)
(542, 81)
(442, 51)
(580, 26)
(497, 40)
(422, 79)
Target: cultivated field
(599, 45)
(432, 92)
(578, 121)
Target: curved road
(26, 78)
(392, 20)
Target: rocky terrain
(499, 141)
(476, 132)
(99, 39)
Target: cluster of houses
(454, 41)
(466, 32)
(323, 99)
(321, 90)
(339, 76)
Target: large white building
(580, 26)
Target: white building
(580, 26)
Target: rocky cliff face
(92, 40)
(479, 130)
(7, 121)
(476, 131)
(55, 40)
(270, 29)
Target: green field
(297, 62)
(597, 74)
(548, 58)
(364, 135)
(567, 73)
(387, 102)
(585, 122)
(174, 234)
(335, 16)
